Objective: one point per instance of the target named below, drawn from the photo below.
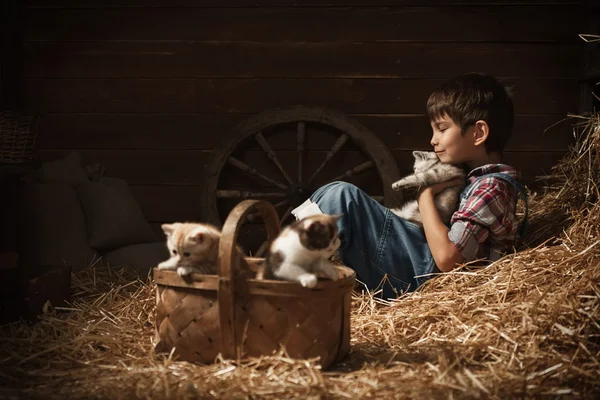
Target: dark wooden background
(149, 88)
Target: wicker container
(18, 134)
(241, 317)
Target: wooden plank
(339, 163)
(11, 56)
(178, 203)
(289, 60)
(185, 167)
(348, 24)
(141, 167)
(530, 164)
(162, 204)
(355, 96)
(135, 131)
(533, 165)
(250, 236)
(206, 131)
(169, 203)
(530, 133)
(277, 3)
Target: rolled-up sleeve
(479, 216)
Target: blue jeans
(375, 242)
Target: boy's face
(449, 144)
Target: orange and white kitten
(194, 248)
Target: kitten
(194, 248)
(429, 170)
(302, 249)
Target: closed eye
(186, 254)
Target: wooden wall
(149, 87)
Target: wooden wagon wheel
(285, 188)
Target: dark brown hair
(471, 97)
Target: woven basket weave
(250, 317)
(18, 135)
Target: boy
(472, 118)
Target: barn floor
(525, 327)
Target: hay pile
(526, 326)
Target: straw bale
(526, 326)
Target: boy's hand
(438, 187)
(444, 252)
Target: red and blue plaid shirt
(485, 225)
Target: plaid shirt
(485, 225)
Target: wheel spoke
(288, 212)
(244, 194)
(280, 204)
(262, 249)
(356, 170)
(257, 216)
(271, 154)
(252, 171)
(334, 149)
(301, 137)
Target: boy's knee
(337, 189)
(337, 197)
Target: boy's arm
(445, 253)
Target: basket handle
(229, 261)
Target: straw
(527, 326)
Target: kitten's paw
(332, 274)
(402, 184)
(185, 271)
(397, 185)
(308, 280)
(167, 265)
(329, 271)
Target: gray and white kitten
(302, 250)
(429, 170)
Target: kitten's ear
(419, 155)
(312, 226)
(198, 237)
(168, 228)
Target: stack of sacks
(73, 217)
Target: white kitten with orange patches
(194, 248)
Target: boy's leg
(375, 242)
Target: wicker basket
(18, 133)
(250, 317)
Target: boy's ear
(482, 132)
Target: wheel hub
(297, 194)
